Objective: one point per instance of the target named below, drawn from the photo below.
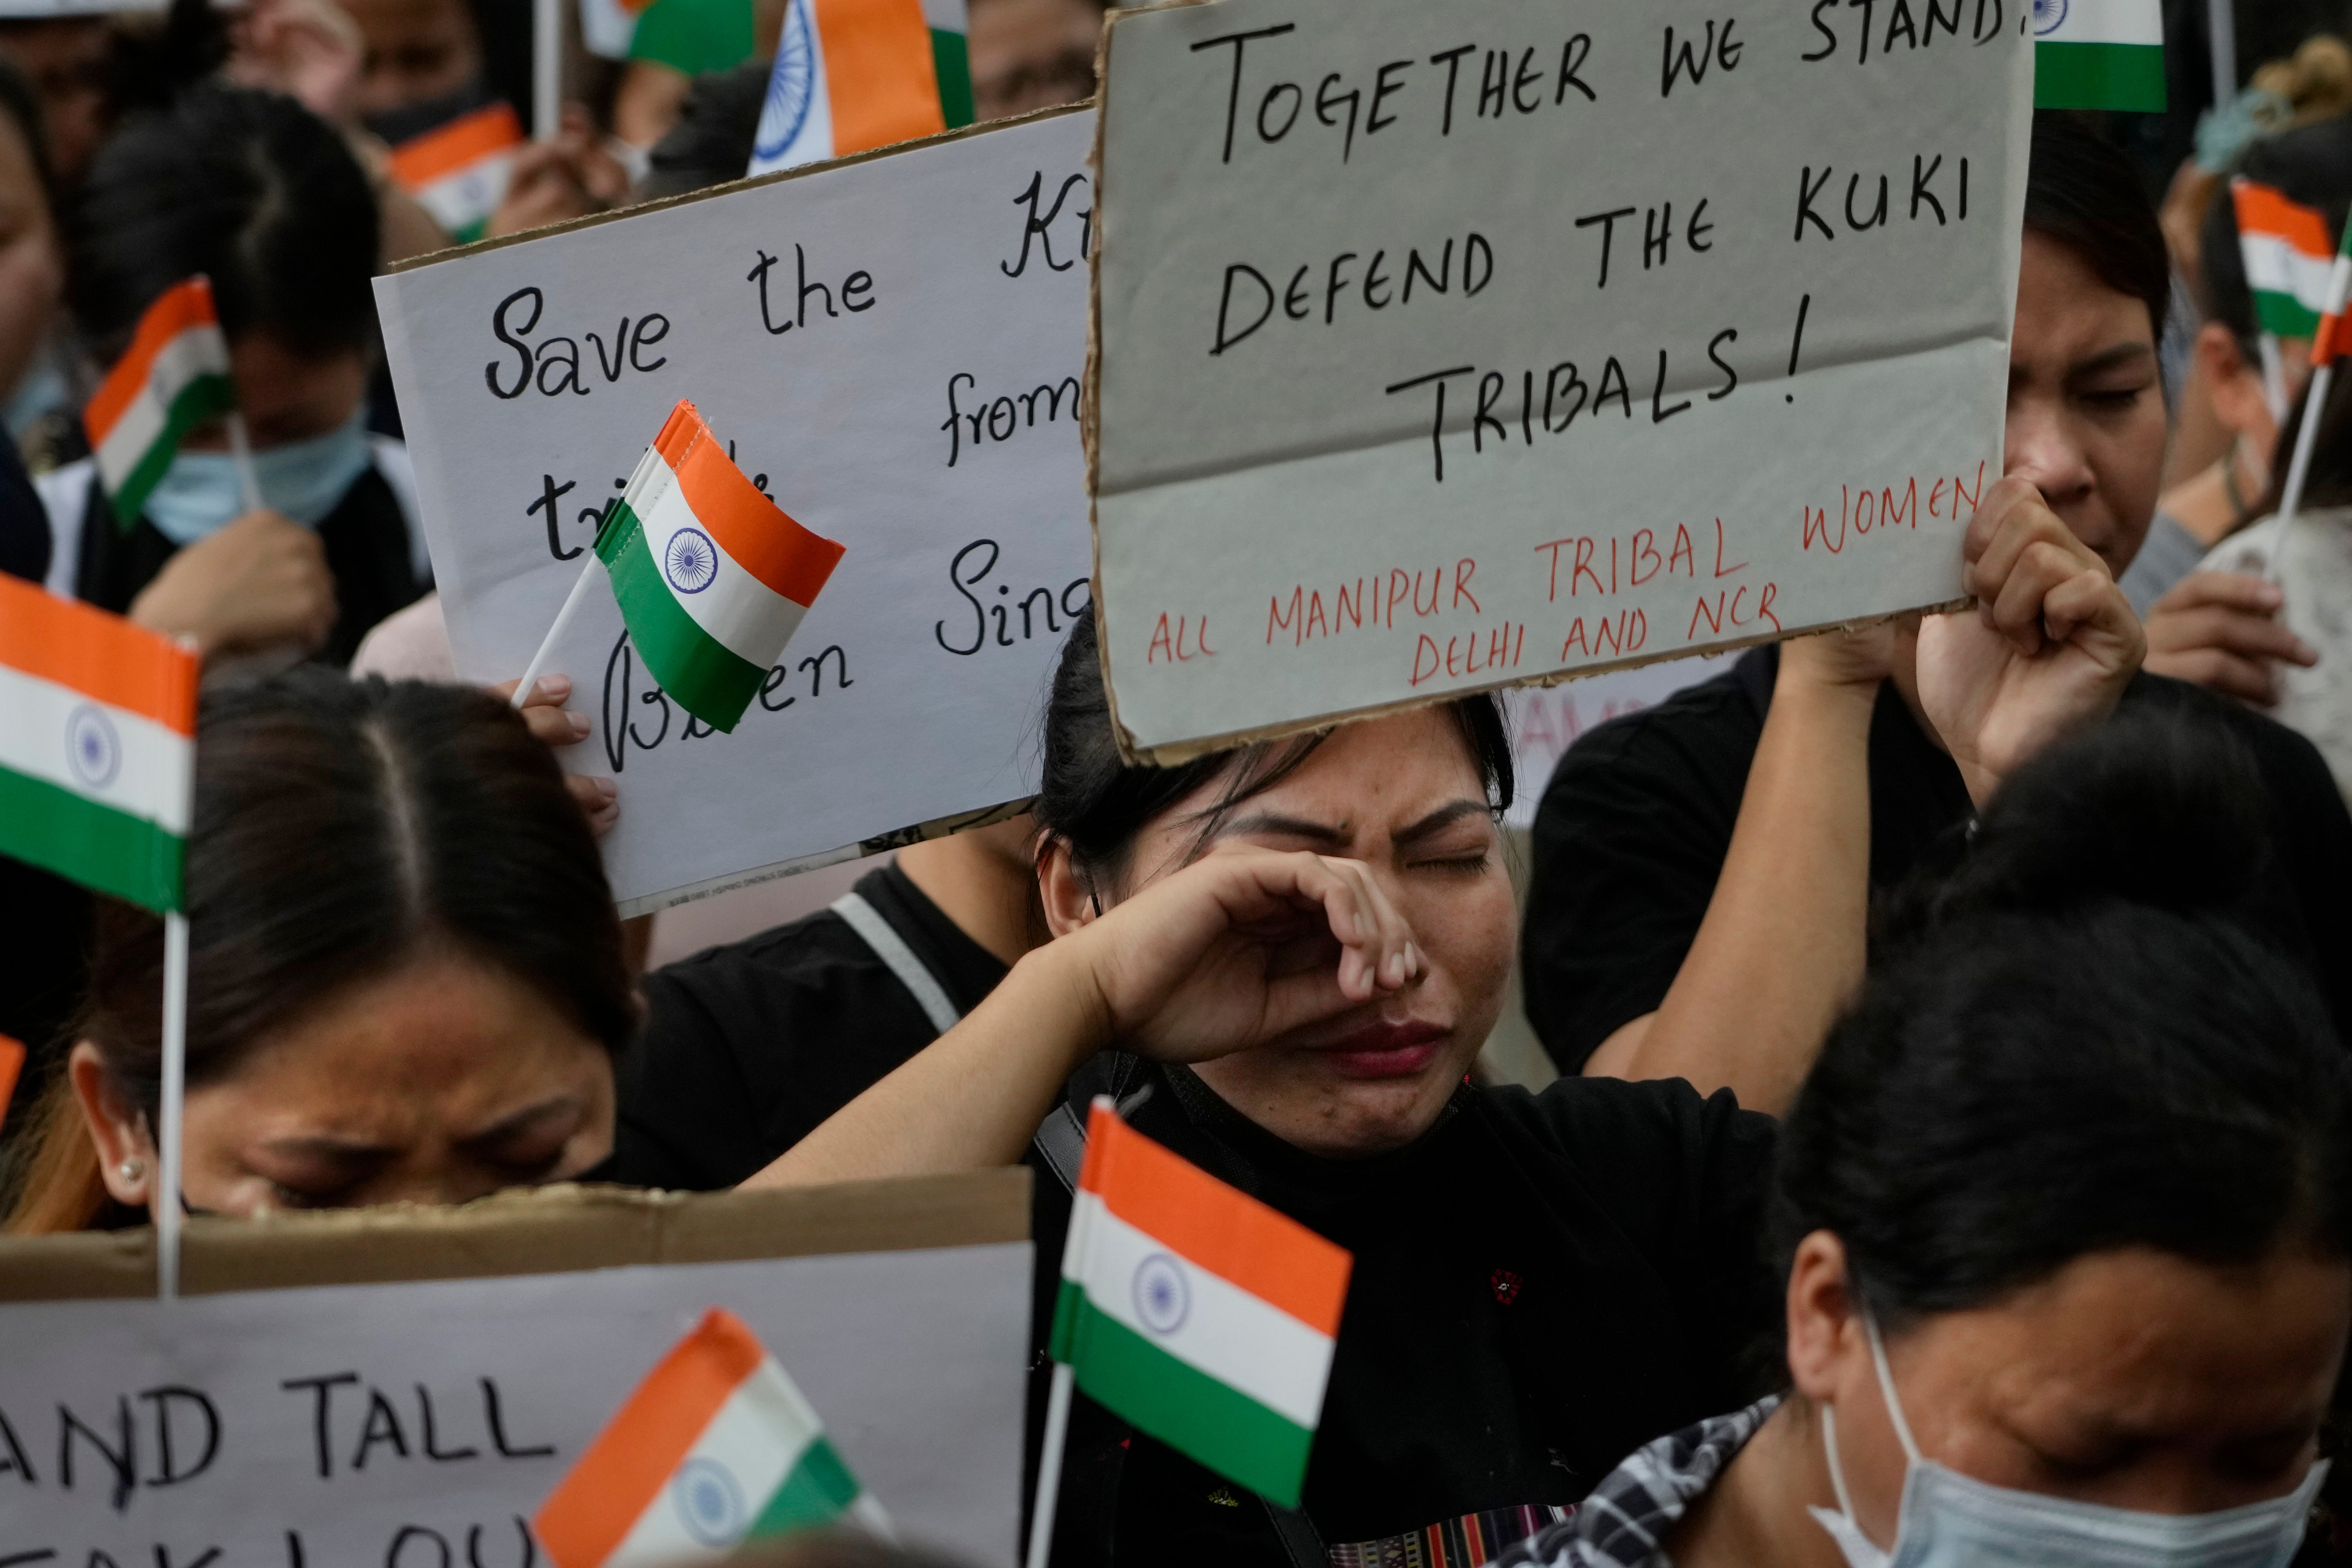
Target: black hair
(1096, 803)
(245, 186)
(2084, 1043)
(341, 829)
(2083, 193)
(711, 143)
(23, 108)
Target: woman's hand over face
(1241, 948)
(2048, 648)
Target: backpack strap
(1301, 1542)
(891, 948)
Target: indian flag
(2098, 54)
(172, 378)
(458, 172)
(852, 75)
(712, 575)
(609, 27)
(98, 722)
(2288, 258)
(714, 1449)
(1196, 1312)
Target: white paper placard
(1446, 346)
(895, 345)
(417, 1425)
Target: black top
(366, 538)
(1542, 1283)
(746, 1047)
(1637, 820)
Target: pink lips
(1385, 1048)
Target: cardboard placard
(1442, 347)
(894, 343)
(401, 1388)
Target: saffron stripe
(757, 533)
(116, 853)
(711, 679)
(103, 657)
(182, 306)
(465, 141)
(1189, 1411)
(878, 73)
(592, 1510)
(1223, 1230)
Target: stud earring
(131, 1170)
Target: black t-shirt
(746, 1047)
(1541, 1284)
(365, 539)
(1637, 820)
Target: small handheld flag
(173, 378)
(12, 1062)
(2288, 258)
(851, 75)
(1195, 1312)
(97, 720)
(2327, 344)
(715, 1448)
(458, 172)
(2098, 54)
(610, 26)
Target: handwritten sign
(892, 346)
(419, 1424)
(1442, 347)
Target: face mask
(200, 493)
(1946, 1518)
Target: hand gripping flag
(2288, 258)
(458, 172)
(712, 575)
(715, 1449)
(851, 75)
(1196, 1312)
(173, 378)
(97, 720)
(2098, 54)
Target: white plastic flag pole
(2274, 377)
(872, 1518)
(240, 448)
(1049, 1465)
(546, 68)
(2315, 398)
(589, 571)
(165, 1197)
(2225, 36)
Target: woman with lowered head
(1281, 961)
(405, 979)
(2067, 1209)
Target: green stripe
(2283, 315)
(206, 397)
(1185, 1408)
(94, 845)
(2099, 76)
(817, 1491)
(951, 60)
(702, 674)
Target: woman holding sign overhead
(1703, 869)
(1280, 962)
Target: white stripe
(469, 194)
(2275, 266)
(891, 948)
(737, 609)
(141, 767)
(2340, 284)
(947, 16)
(2107, 22)
(196, 352)
(1242, 1341)
(814, 143)
(746, 1452)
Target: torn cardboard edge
(660, 204)
(880, 843)
(1172, 752)
(560, 1229)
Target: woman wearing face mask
(254, 191)
(1281, 961)
(2064, 1210)
(406, 977)
(1703, 868)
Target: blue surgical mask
(200, 493)
(1948, 1519)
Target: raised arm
(1228, 953)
